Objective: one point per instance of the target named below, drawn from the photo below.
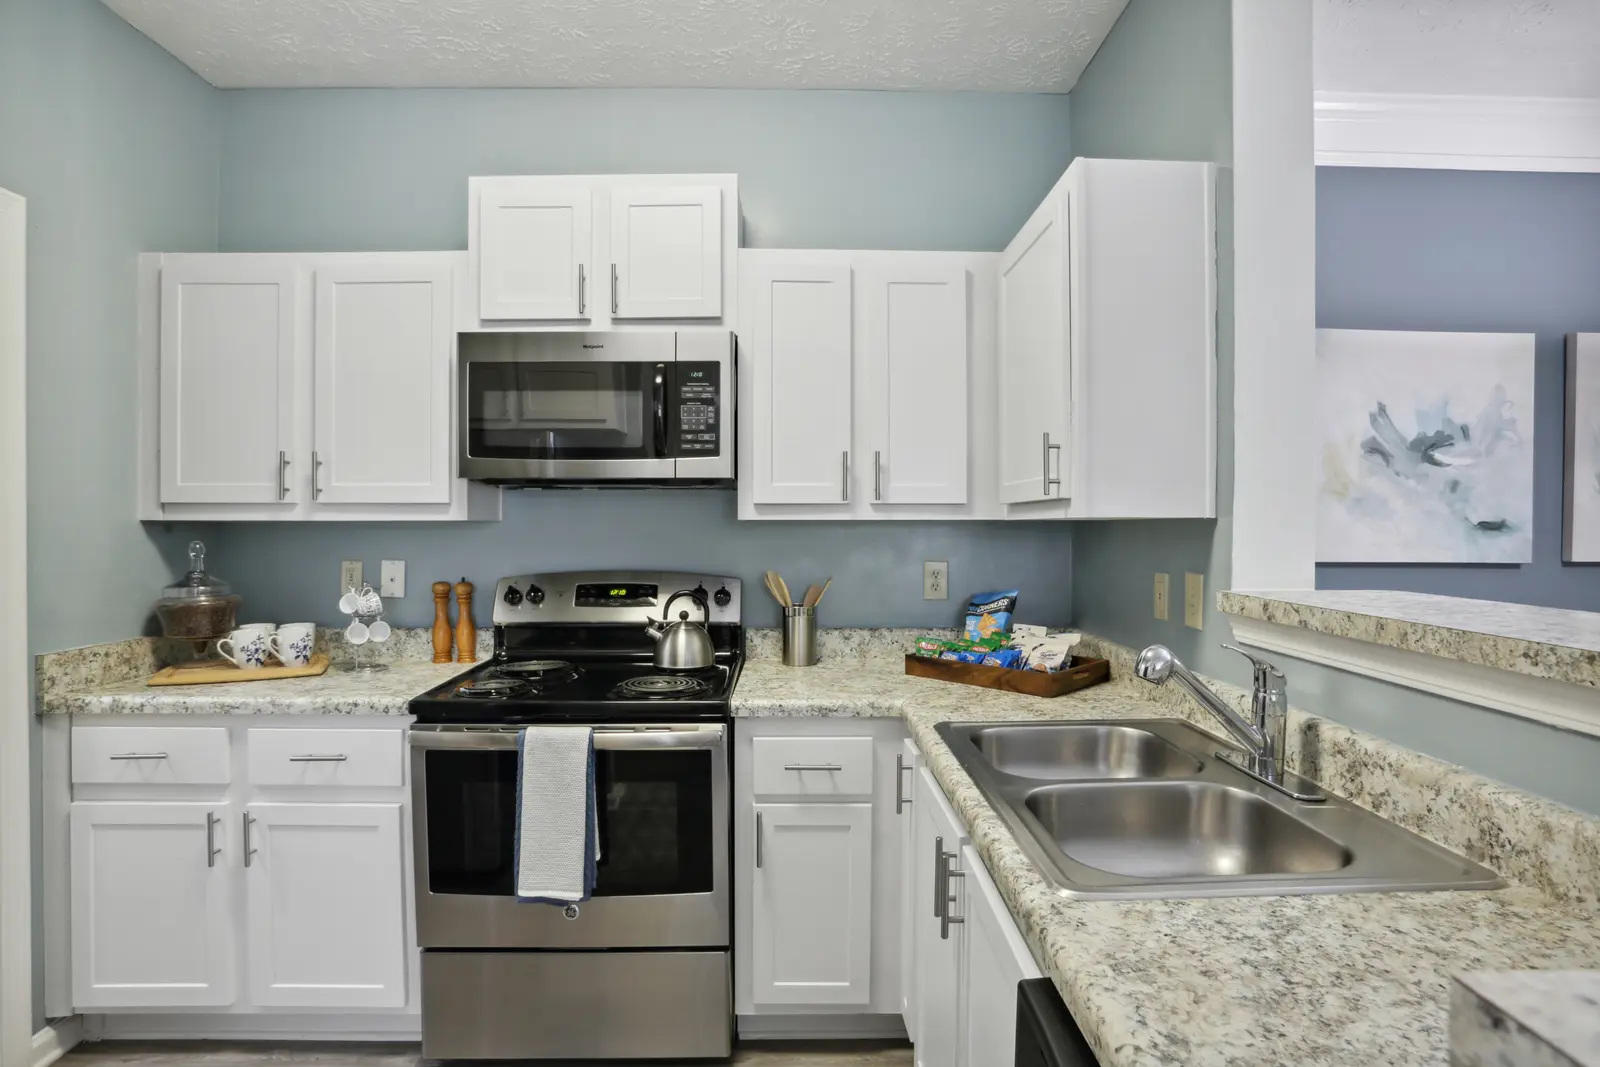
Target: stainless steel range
(642, 969)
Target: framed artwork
(1426, 447)
(1581, 540)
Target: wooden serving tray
(213, 673)
(1083, 673)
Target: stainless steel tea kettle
(682, 645)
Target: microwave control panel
(699, 392)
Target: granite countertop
(1549, 643)
(1543, 1018)
(1357, 979)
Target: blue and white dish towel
(558, 838)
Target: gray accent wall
(1471, 251)
(347, 170)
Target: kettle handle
(705, 608)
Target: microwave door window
(555, 411)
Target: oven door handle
(623, 740)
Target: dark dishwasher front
(1046, 1034)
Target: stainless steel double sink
(1134, 809)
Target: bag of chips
(989, 614)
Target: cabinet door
(938, 948)
(797, 337)
(811, 916)
(914, 321)
(1034, 358)
(152, 896)
(382, 383)
(324, 891)
(227, 379)
(532, 248)
(666, 252)
(910, 758)
(996, 959)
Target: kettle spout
(655, 628)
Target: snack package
(989, 614)
(1023, 631)
(1005, 657)
(1054, 653)
(930, 646)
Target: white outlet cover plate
(349, 575)
(392, 581)
(935, 580)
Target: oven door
(662, 879)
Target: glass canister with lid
(197, 607)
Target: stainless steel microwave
(558, 408)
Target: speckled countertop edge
(1526, 1018)
(1542, 642)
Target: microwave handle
(661, 410)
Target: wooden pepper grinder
(466, 629)
(441, 622)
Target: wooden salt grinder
(441, 622)
(466, 629)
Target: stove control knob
(700, 594)
(535, 595)
(513, 596)
(723, 598)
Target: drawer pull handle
(314, 758)
(139, 755)
(758, 840)
(249, 850)
(812, 767)
(212, 851)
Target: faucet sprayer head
(1155, 664)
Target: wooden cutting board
(214, 673)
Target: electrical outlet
(935, 581)
(1162, 583)
(349, 575)
(392, 578)
(1194, 600)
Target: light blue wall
(1479, 252)
(388, 169)
(116, 146)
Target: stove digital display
(619, 595)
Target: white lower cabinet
(811, 902)
(152, 894)
(995, 960)
(907, 761)
(936, 944)
(325, 905)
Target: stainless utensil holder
(800, 637)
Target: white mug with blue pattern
(245, 649)
(292, 643)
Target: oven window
(565, 410)
(655, 822)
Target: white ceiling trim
(1457, 132)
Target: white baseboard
(1559, 704)
(1457, 132)
(55, 1040)
(342, 1026)
(821, 1027)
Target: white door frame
(16, 712)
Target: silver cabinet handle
(614, 289)
(582, 295)
(248, 851)
(314, 758)
(283, 470)
(812, 767)
(877, 476)
(139, 755)
(946, 920)
(1049, 481)
(938, 876)
(316, 476)
(212, 851)
(844, 477)
(900, 799)
(758, 840)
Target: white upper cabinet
(914, 322)
(666, 252)
(532, 247)
(1108, 346)
(797, 340)
(382, 383)
(228, 343)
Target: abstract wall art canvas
(1581, 543)
(1426, 447)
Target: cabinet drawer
(150, 755)
(823, 767)
(326, 757)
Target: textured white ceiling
(1007, 45)
(1466, 47)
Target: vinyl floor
(219, 1054)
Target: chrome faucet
(1264, 738)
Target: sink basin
(1132, 809)
(1070, 751)
(1168, 830)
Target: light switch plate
(1162, 590)
(392, 578)
(349, 575)
(935, 581)
(1194, 600)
